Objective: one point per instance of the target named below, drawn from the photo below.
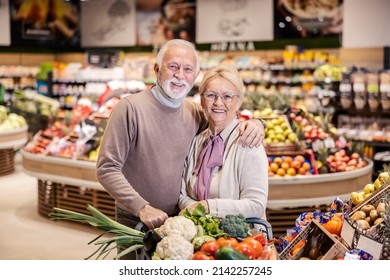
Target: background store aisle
(25, 235)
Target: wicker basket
(7, 164)
(74, 198)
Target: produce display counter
(71, 184)
(9, 141)
(67, 183)
(290, 196)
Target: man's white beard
(177, 93)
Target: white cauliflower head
(174, 247)
(178, 225)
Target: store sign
(232, 46)
(103, 58)
(234, 21)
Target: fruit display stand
(289, 196)
(67, 183)
(9, 141)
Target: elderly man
(148, 136)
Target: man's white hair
(177, 42)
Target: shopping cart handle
(264, 223)
(141, 227)
(151, 237)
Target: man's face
(178, 72)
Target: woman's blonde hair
(226, 71)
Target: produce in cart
(179, 238)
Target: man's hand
(152, 217)
(252, 133)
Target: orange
(285, 166)
(288, 159)
(302, 171)
(296, 164)
(300, 158)
(306, 165)
(281, 172)
(291, 171)
(278, 160)
(274, 167)
(294, 251)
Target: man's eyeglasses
(226, 97)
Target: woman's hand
(252, 133)
(192, 207)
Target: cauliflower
(178, 225)
(174, 247)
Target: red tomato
(246, 249)
(202, 256)
(210, 247)
(260, 237)
(227, 241)
(256, 245)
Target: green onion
(123, 235)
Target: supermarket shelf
(13, 139)
(329, 177)
(319, 189)
(277, 204)
(61, 170)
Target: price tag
(358, 87)
(329, 143)
(371, 246)
(348, 234)
(317, 145)
(345, 87)
(385, 87)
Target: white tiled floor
(26, 235)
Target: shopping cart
(152, 238)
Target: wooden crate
(330, 247)
(74, 198)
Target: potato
(358, 215)
(367, 208)
(363, 224)
(378, 221)
(380, 208)
(374, 215)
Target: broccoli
(235, 226)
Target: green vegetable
(235, 226)
(229, 253)
(123, 235)
(209, 223)
(198, 241)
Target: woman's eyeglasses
(226, 97)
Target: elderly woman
(219, 173)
